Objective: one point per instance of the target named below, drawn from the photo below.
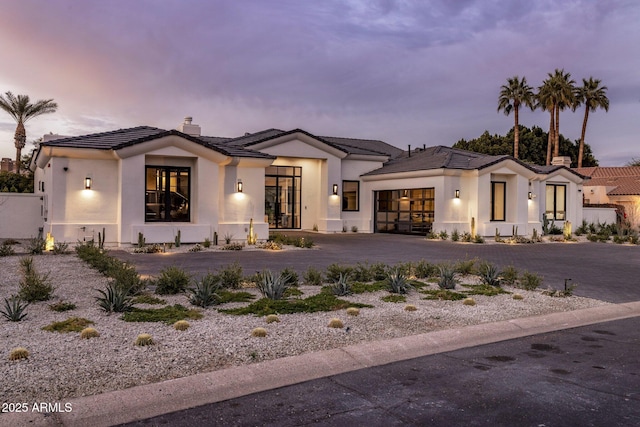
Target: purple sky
(406, 72)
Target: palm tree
(592, 95)
(564, 89)
(22, 110)
(512, 95)
(546, 100)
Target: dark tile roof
(438, 157)
(122, 138)
(624, 181)
(347, 145)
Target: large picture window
(556, 202)
(498, 201)
(167, 194)
(350, 195)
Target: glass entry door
(282, 196)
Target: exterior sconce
(335, 189)
(240, 187)
(405, 194)
(87, 183)
(530, 195)
(457, 194)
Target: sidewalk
(150, 400)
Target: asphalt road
(587, 376)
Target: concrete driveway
(608, 272)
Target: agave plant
(398, 282)
(341, 287)
(271, 286)
(114, 299)
(14, 309)
(204, 293)
(489, 274)
(447, 278)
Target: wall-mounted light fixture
(457, 194)
(530, 195)
(87, 183)
(405, 194)
(240, 187)
(335, 189)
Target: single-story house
(614, 186)
(158, 182)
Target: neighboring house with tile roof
(614, 186)
(158, 182)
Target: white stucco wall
(363, 218)
(20, 215)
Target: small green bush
(231, 276)
(447, 277)
(312, 276)
(379, 271)
(36, 246)
(62, 306)
(455, 235)
(510, 275)
(169, 314)
(271, 286)
(397, 282)
(489, 274)
(394, 298)
(466, 266)
(33, 286)
(206, 243)
(443, 235)
(72, 324)
(334, 271)
(292, 276)
(443, 295)
(313, 304)
(423, 269)
(530, 281)
(362, 273)
(14, 309)
(6, 250)
(173, 280)
(148, 299)
(60, 248)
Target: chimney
(561, 161)
(188, 128)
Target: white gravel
(63, 365)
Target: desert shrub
(466, 266)
(334, 271)
(271, 286)
(510, 275)
(335, 323)
(341, 287)
(269, 245)
(259, 332)
(312, 276)
(169, 314)
(379, 271)
(144, 340)
(443, 295)
(292, 276)
(72, 324)
(33, 285)
(530, 281)
(424, 269)
(148, 299)
(236, 246)
(489, 274)
(60, 248)
(203, 294)
(206, 243)
(231, 276)
(455, 235)
(447, 277)
(114, 299)
(196, 248)
(88, 333)
(36, 245)
(181, 325)
(362, 273)
(484, 289)
(405, 268)
(62, 306)
(172, 280)
(14, 309)
(6, 250)
(125, 274)
(313, 304)
(397, 282)
(19, 353)
(150, 249)
(443, 235)
(478, 239)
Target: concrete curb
(169, 396)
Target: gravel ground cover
(62, 365)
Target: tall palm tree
(593, 96)
(512, 95)
(546, 100)
(564, 89)
(20, 108)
